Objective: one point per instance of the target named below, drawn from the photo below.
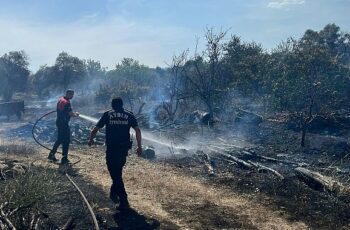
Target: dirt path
(163, 196)
(175, 200)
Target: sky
(153, 31)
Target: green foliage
(132, 71)
(14, 73)
(69, 69)
(44, 80)
(66, 71)
(306, 75)
(129, 80)
(94, 70)
(246, 66)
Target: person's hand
(139, 151)
(91, 142)
(77, 114)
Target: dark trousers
(63, 137)
(116, 159)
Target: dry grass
(15, 147)
(38, 197)
(179, 200)
(23, 198)
(199, 204)
(171, 195)
(41, 198)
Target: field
(197, 181)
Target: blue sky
(152, 31)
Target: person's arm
(93, 135)
(70, 111)
(138, 140)
(100, 124)
(73, 114)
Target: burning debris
(81, 134)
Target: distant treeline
(305, 76)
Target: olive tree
(14, 73)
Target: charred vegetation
(272, 127)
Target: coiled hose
(70, 179)
(45, 147)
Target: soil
(176, 192)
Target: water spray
(91, 119)
(145, 135)
(88, 118)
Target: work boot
(52, 157)
(65, 161)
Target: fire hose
(69, 178)
(45, 147)
(34, 126)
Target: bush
(23, 199)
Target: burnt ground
(293, 199)
(176, 192)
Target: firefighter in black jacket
(118, 122)
(64, 113)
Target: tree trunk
(319, 182)
(306, 123)
(263, 167)
(241, 163)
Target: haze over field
(244, 108)
(152, 31)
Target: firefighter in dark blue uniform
(118, 122)
(64, 113)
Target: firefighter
(64, 113)
(118, 122)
